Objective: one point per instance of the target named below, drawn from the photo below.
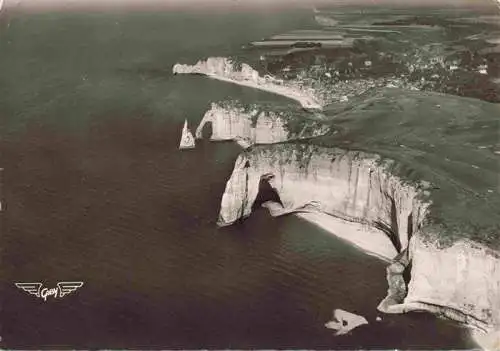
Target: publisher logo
(37, 289)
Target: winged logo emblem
(37, 289)
(68, 287)
(30, 288)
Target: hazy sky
(25, 4)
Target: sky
(68, 4)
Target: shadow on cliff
(266, 192)
(392, 230)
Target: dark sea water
(95, 190)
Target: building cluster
(426, 68)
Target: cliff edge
(250, 125)
(225, 69)
(420, 167)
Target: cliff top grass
(297, 120)
(449, 141)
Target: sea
(95, 190)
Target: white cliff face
(224, 69)
(464, 278)
(347, 185)
(233, 123)
(461, 282)
(220, 66)
(227, 123)
(269, 129)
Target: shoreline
(305, 102)
(355, 234)
(378, 246)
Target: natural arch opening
(206, 131)
(266, 192)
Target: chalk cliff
(230, 121)
(426, 179)
(459, 281)
(349, 185)
(225, 69)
